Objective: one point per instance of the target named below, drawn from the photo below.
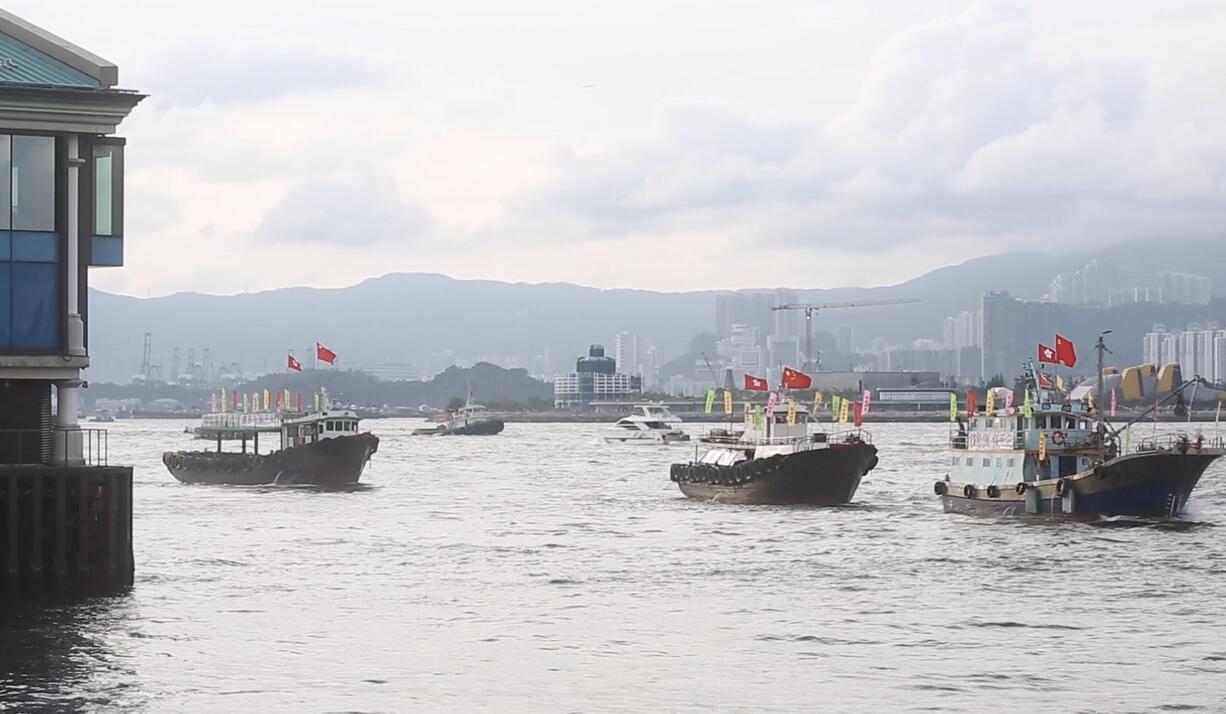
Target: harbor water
(543, 570)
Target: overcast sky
(663, 145)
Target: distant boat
(1065, 461)
(468, 420)
(323, 448)
(777, 463)
(103, 416)
(648, 424)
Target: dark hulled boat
(777, 463)
(1059, 461)
(321, 449)
(469, 420)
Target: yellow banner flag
(817, 401)
(225, 403)
(990, 405)
(710, 400)
(835, 401)
(728, 402)
(1042, 446)
(844, 409)
(953, 407)
(1060, 384)
(267, 399)
(791, 412)
(245, 405)
(1027, 405)
(748, 416)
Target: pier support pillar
(68, 448)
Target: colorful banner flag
(213, 403)
(728, 402)
(285, 399)
(791, 412)
(710, 401)
(224, 401)
(866, 399)
(1042, 446)
(234, 399)
(299, 401)
(771, 402)
(1060, 384)
(1009, 402)
(267, 399)
(1115, 404)
(748, 416)
(316, 401)
(246, 406)
(1027, 405)
(817, 402)
(844, 409)
(972, 403)
(758, 420)
(953, 406)
(835, 401)
(859, 414)
(989, 403)
(280, 402)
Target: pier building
(65, 512)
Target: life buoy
(939, 488)
(993, 491)
(1020, 488)
(1063, 486)
(1058, 438)
(968, 490)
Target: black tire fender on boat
(939, 488)
(872, 464)
(993, 491)
(674, 472)
(1020, 488)
(1063, 486)
(969, 490)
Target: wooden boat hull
(1153, 484)
(820, 477)
(330, 463)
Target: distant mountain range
(412, 317)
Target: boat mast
(1101, 348)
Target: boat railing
(838, 437)
(240, 421)
(1178, 442)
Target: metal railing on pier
(59, 445)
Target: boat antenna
(1101, 348)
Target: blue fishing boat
(1063, 460)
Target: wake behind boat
(323, 448)
(1058, 461)
(776, 462)
(649, 424)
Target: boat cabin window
(656, 425)
(628, 425)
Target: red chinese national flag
(1047, 354)
(796, 380)
(755, 384)
(323, 354)
(1065, 354)
(293, 364)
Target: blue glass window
(107, 251)
(35, 305)
(6, 305)
(35, 247)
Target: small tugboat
(777, 463)
(469, 420)
(103, 416)
(323, 448)
(1060, 461)
(649, 424)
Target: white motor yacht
(649, 424)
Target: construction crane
(146, 356)
(812, 307)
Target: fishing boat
(649, 424)
(321, 448)
(469, 420)
(1063, 460)
(776, 461)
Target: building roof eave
(61, 110)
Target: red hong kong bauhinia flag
(1065, 353)
(796, 380)
(323, 354)
(755, 384)
(293, 364)
(1047, 354)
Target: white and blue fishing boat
(1063, 460)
